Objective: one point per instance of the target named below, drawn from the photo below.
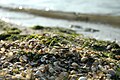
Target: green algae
(11, 34)
(64, 37)
(12, 30)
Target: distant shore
(107, 19)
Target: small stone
(101, 67)
(108, 76)
(23, 58)
(38, 73)
(29, 76)
(109, 47)
(111, 72)
(73, 77)
(74, 64)
(73, 72)
(52, 78)
(10, 54)
(62, 76)
(6, 64)
(3, 49)
(51, 70)
(93, 68)
(82, 78)
(83, 59)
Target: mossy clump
(13, 30)
(4, 36)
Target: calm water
(83, 6)
(111, 7)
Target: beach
(55, 54)
(42, 40)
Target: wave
(113, 20)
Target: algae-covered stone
(4, 36)
(37, 27)
(13, 31)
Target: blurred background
(95, 30)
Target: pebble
(10, 54)
(51, 70)
(111, 72)
(83, 59)
(23, 58)
(82, 78)
(3, 49)
(38, 73)
(74, 64)
(53, 66)
(73, 72)
(108, 76)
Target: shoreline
(95, 18)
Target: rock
(111, 72)
(83, 59)
(109, 47)
(74, 64)
(17, 76)
(73, 72)
(51, 70)
(62, 76)
(91, 30)
(101, 67)
(23, 58)
(108, 76)
(6, 64)
(10, 54)
(38, 73)
(3, 49)
(82, 78)
(93, 68)
(52, 78)
(73, 77)
(76, 26)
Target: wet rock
(91, 30)
(76, 26)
